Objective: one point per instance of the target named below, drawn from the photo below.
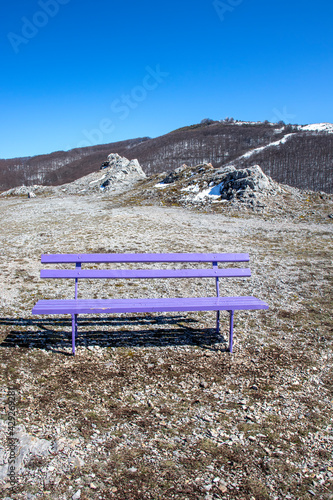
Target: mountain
(301, 156)
(226, 189)
(60, 167)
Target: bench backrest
(79, 259)
(144, 257)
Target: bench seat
(108, 306)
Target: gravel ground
(153, 406)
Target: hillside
(59, 167)
(300, 156)
(153, 406)
(160, 391)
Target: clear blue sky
(83, 72)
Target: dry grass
(153, 410)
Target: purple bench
(78, 306)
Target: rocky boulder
(118, 175)
(205, 184)
(121, 169)
(26, 447)
(244, 183)
(29, 191)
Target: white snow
(276, 143)
(193, 188)
(213, 192)
(201, 195)
(243, 123)
(318, 127)
(161, 185)
(94, 182)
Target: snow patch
(192, 188)
(211, 192)
(319, 127)
(243, 123)
(276, 143)
(98, 180)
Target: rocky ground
(153, 406)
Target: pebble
(76, 461)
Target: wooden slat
(145, 273)
(145, 257)
(94, 306)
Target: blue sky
(84, 72)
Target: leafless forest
(304, 160)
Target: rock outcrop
(246, 183)
(205, 184)
(27, 191)
(120, 174)
(26, 447)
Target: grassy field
(153, 406)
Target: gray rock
(208, 487)
(26, 446)
(3, 472)
(203, 184)
(119, 175)
(29, 191)
(76, 461)
(174, 176)
(244, 183)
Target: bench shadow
(130, 331)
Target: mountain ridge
(298, 155)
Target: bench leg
(76, 334)
(217, 322)
(231, 330)
(74, 326)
